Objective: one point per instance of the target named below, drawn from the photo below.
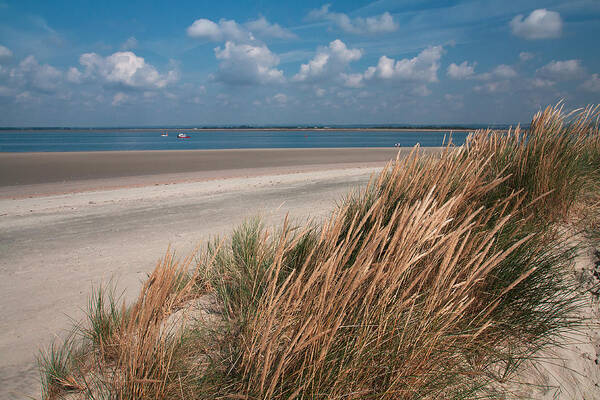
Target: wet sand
(38, 168)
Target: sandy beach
(73, 220)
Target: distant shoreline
(309, 129)
(461, 129)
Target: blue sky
(107, 63)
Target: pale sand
(571, 370)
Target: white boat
(183, 136)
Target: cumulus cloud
(592, 84)
(562, 70)
(230, 30)
(541, 83)
(223, 30)
(5, 52)
(493, 87)
(278, 99)
(123, 68)
(422, 68)
(130, 44)
(119, 98)
(74, 75)
(383, 23)
(246, 64)
(502, 71)
(421, 90)
(327, 62)
(263, 28)
(30, 73)
(540, 24)
(461, 71)
(352, 80)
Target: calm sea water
(103, 140)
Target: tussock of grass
(129, 352)
(437, 280)
(57, 365)
(104, 316)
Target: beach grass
(439, 279)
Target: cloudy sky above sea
(109, 63)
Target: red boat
(183, 136)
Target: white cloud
(502, 71)
(124, 68)
(352, 80)
(461, 71)
(493, 87)
(540, 24)
(74, 75)
(592, 84)
(423, 67)
(562, 70)
(38, 76)
(525, 56)
(5, 52)
(262, 27)
(328, 61)
(224, 30)
(542, 83)
(279, 98)
(499, 79)
(245, 64)
(383, 23)
(119, 98)
(230, 30)
(421, 90)
(130, 44)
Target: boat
(164, 134)
(183, 136)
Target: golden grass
(439, 278)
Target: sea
(60, 140)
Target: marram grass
(438, 280)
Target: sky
(191, 62)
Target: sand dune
(60, 238)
